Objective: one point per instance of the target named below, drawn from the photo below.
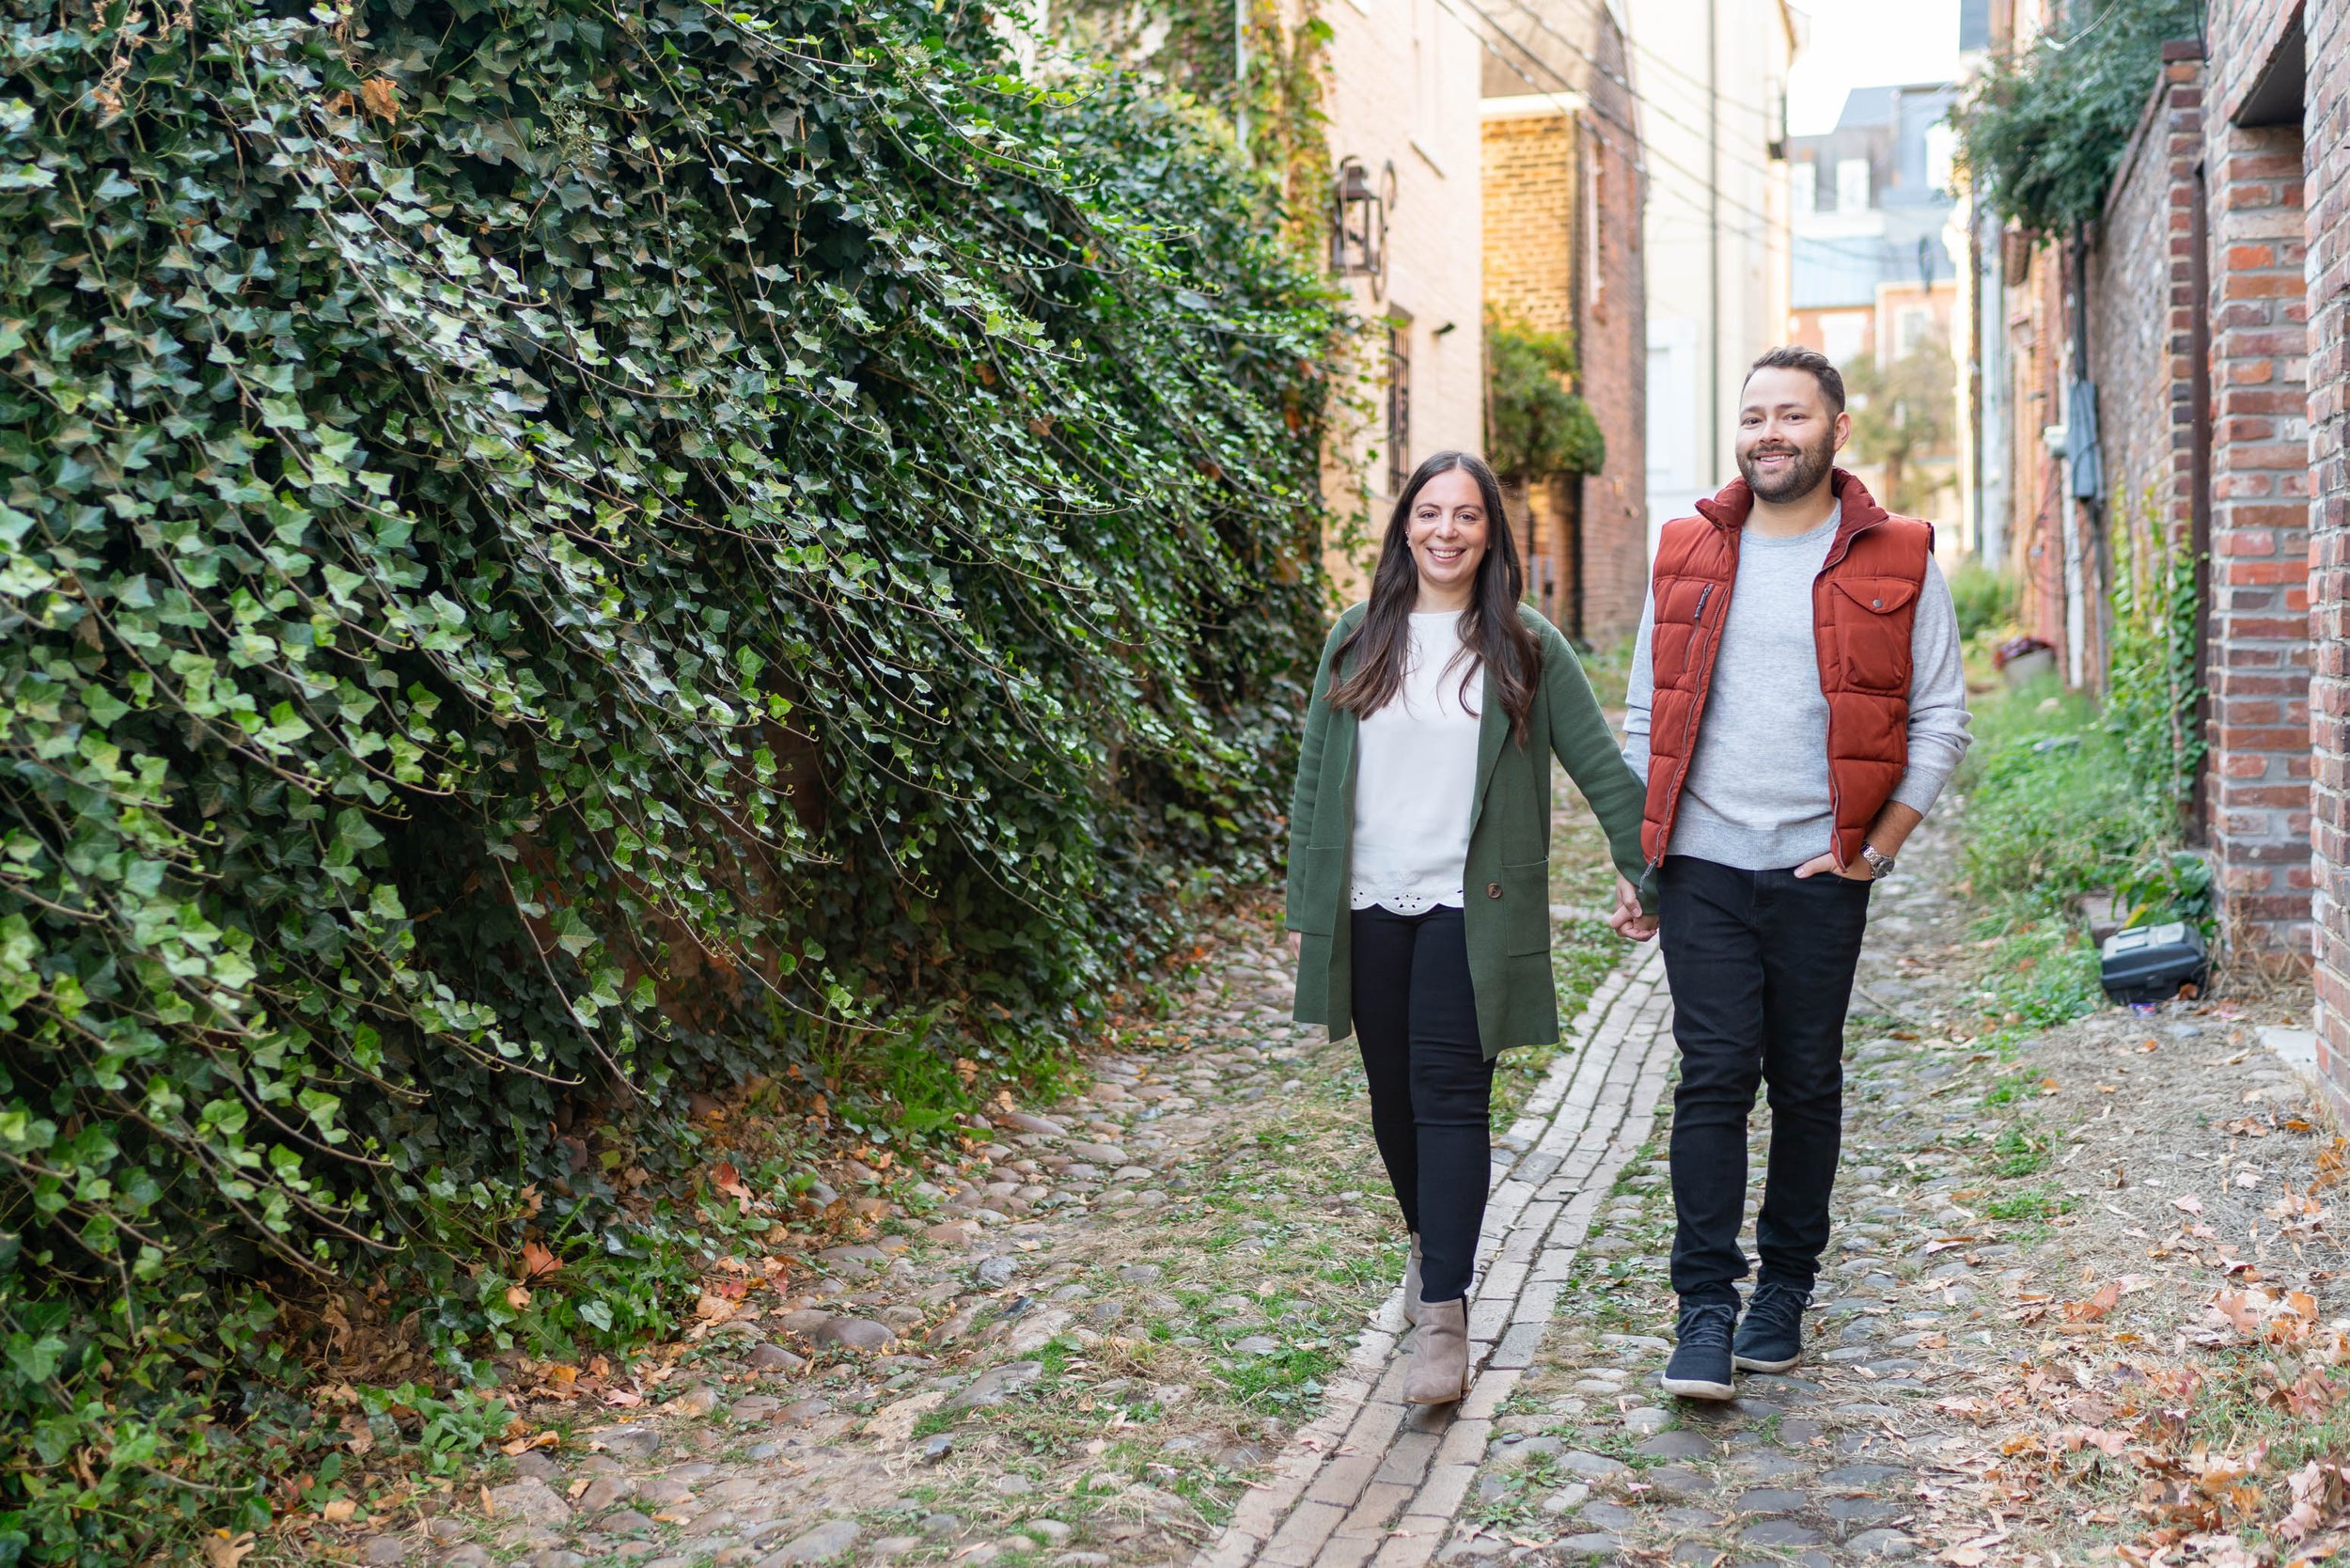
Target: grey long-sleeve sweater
(1757, 796)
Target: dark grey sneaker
(1700, 1367)
(1770, 1336)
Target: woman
(1418, 875)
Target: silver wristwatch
(1878, 861)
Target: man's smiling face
(1787, 433)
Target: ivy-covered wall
(547, 550)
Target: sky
(1866, 43)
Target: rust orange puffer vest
(1862, 604)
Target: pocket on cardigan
(1525, 907)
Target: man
(1796, 703)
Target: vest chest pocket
(1873, 616)
(1680, 608)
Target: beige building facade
(1403, 104)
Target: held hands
(1859, 872)
(1626, 919)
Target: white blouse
(1415, 772)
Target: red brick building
(2325, 127)
(2216, 296)
(1563, 208)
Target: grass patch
(2044, 972)
(2055, 807)
(2010, 1089)
(2019, 1153)
(2239, 1409)
(1535, 1478)
(2031, 1204)
(2060, 803)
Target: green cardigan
(1507, 875)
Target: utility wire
(1592, 60)
(1638, 151)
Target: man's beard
(1802, 476)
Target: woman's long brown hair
(1490, 627)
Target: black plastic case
(2149, 963)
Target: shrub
(2044, 128)
(1984, 597)
(543, 548)
(2053, 808)
(1539, 425)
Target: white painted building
(1711, 79)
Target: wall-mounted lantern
(1359, 208)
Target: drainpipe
(2088, 486)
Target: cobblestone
(1573, 1137)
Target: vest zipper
(1835, 796)
(1689, 725)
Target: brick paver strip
(1371, 1480)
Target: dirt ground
(2084, 1303)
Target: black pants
(1431, 1085)
(1760, 965)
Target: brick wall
(2143, 308)
(1615, 382)
(1531, 181)
(2327, 124)
(2258, 813)
(1561, 226)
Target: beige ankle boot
(1411, 1282)
(1440, 1369)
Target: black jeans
(1431, 1085)
(1761, 966)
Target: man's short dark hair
(1795, 356)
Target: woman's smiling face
(1448, 534)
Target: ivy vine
(2045, 126)
(545, 543)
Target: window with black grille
(1399, 405)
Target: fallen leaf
(381, 97)
(728, 1179)
(537, 1261)
(2096, 1305)
(2188, 1203)
(224, 1550)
